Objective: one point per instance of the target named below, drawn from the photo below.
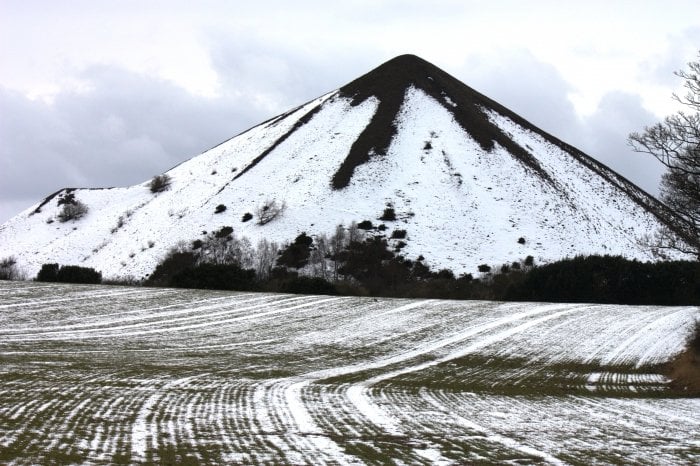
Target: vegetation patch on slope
(684, 370)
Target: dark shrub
(67, 198)
(48, 273)
(467, 277)
(72, 211)
(224, 232)
(529, 261)
(370, 263)
(216, 277)
(171, 265)
(611, 279)
(160, 183)
(365, 225)
(484, 268)
(197, 244)
(445, 274)
(296, 255)
(398, 234)
(247, 216)
(428, 145)
(220, 208)
(77, 274)
(308, 285)
(388, 215)
(68, 274)
(521, 240)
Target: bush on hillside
(388, 215)
(160, 183)
(72, 211)
(269, 210)
(224, 232)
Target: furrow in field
(84, 295)
(167, 325)
(359, 394)
(277, 379)
(159, 319)
(143, 314)
(144, 432)
(641, 336)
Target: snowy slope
(466, 177)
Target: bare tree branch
(675, 143)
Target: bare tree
(72, 211)
(265, 256)
(9, 269)
(319, 257)
(219, 248)
(269, 210)
(354, 233)
(675, 142)
(336, 245)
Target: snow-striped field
(102, 375)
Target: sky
(99, 93)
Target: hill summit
(466, 180)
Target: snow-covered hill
(466, 177)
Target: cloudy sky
(108, 93)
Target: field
(104, 375)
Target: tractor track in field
(105, 375)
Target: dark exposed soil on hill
(389, 82)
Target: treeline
(68, 274)
(610, 279)
(351, 262)
(354, 261)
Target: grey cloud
(128, 127)
(661, 69)
(125, 129)
(279, 73)
(537, 92)
(604, 134)
(530, 88)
